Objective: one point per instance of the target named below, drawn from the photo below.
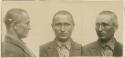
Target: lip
(101, 34)
(63, 34)
(27, 31)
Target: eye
(27, 23)
(97, 24)
(67, 24)
(58, 24)
(105, 24)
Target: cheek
(96, 30)
(69, 29)
(56, 29)
(109, 30)
(22, 28)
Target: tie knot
(63, 46)
(107, 50)
(107, 47)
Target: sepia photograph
(62, 29)
(16, 0)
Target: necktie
(63, 51)
(107, 51)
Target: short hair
(63, 12)
(113, 17)
(11, 15)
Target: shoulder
(119, 44)
(44, 48)
(91, 45)
(76, 44)
(9, 49)
(9, 46)
(118, 50)
(47, 45)
(87, 49)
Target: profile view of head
(63, 25)
(106, 25)
(17, 20)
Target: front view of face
(104, 27)
(63, 26)
(22, 28)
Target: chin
(103, 39)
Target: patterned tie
(107, 51)
(63, 51)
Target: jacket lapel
(52, 50)
(96, 49)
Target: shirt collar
(67, 43)
(110, 43)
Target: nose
(62, 28)
(101, 28)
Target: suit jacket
(13, 47)
(93, 49)
(50, 49)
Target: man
(106, 45)
(63, 45)
(17, 27)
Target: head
(18, 21)
(63, 25)
(106, 25)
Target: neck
(12, 33)
(63, 41)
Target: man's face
(63, 26)
(22, 28)
(104, 27)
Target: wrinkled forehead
(104, 18)
(63, 19)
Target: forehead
(104, 18)
(23, 17)
(63, 19)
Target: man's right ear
(52, 26)
(13, 24)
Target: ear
(13, 24)
(52, 26)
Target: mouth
(101, 34)
(26, 32)
(63, 34)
